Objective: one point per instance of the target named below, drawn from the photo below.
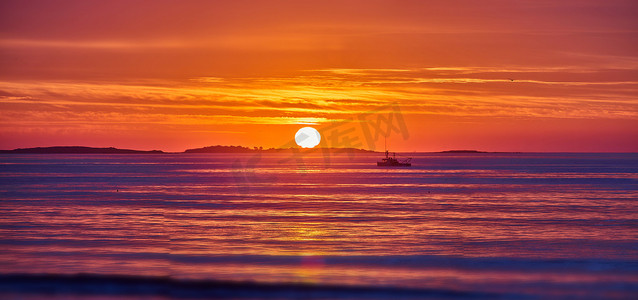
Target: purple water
(506, 225)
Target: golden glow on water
(313, 269)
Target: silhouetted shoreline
(76, 150)
(212, 149)
(241, 149)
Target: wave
(74, 285)
(626, 265)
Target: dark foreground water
(278, 226)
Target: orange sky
(173, 75)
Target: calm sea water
(474, 225)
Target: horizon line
(253, 149)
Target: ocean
(313, 226)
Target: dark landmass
(76, 150)
(210, 149)
(221, 149)
(462, 151)
(41, 286)
(240, 149)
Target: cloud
(319, 96)
(88, 44)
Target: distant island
(463, 151)
(209, 149)
(240, 149)
(76, 150)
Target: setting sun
(307, 137)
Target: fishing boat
(392, 161)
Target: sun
(307, 137)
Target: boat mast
(385, 144)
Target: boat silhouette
(392, 161)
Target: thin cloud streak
(334, 96)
